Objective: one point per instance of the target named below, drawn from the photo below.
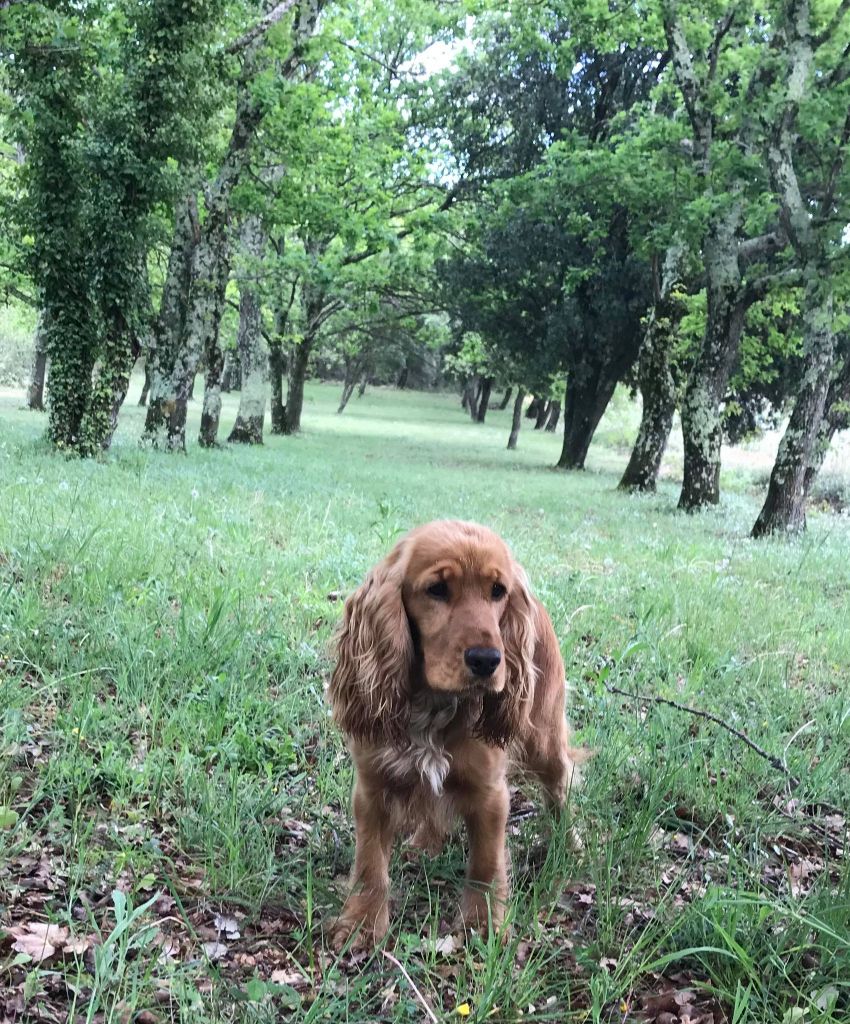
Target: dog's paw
(358, 931)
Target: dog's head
(448, 609)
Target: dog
(448, 670)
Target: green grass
(164, 626)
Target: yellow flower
(463, 1010)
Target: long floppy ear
(370, 686)
(505, 714)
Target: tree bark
(361, 391)
(35, 390)
(516, 422)
(253, 358)
(111, 382)
(470, 393)
(784, 509)
(655, 377)
(706, 387)
(553, 417)
(836, 418)
(533, 408)
(313, 300)
(505, 399)
(589, 390)
(230, 376)
(146, 386)
(484, 399)
(168, 335)
(542, 414)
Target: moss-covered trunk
(655, 379)
(709, 377)
(253, 357)
(168, 337)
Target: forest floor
(174, 821)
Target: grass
(169, 776)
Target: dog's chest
(425, 758)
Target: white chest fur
(425, 757)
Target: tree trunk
(542, 414)
(784, 509)
(533, 408)
(401, 383)
(111, 382)
(361, 391)
(655, 377)
(35, 391)
(295, 390)
(229, 372)
(516, 423)
(253, 358)
(484, 399)
(836, 418)
(553, 417)
(146, 387)
(168, 335)
(471, 396)
(588, 393)
(701, 426)
(505, 399)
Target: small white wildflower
(64, 485)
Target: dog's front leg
(485, 811)
(366, 911)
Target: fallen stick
(775, 762)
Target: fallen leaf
(38, 939)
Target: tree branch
(720, 32)
(272, 17)
(16, 293)
(762, 245)
(834, 22)
(772, 760)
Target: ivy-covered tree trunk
(589, 390)
(655, 378)
(553, 416)
(168, 335)
(784, 509)
(111, 382)
(516, 422)
(709, 377)
(253, 358)
(484, 399)
(505, 399)
(38, 373)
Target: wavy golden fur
(447, 667)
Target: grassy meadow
(174, 822)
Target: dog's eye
(498, 592)
(439, 590)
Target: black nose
(482, 661)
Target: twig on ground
(431, 1015)
(775, 762)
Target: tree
(253, 358)
(106, 102)
(816, 241)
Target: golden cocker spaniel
(448, 667)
